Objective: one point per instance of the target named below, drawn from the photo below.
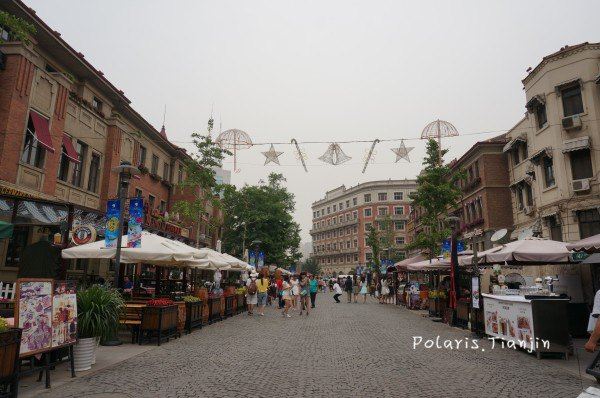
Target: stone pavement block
(349, 350)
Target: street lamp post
(126, 171)
(454, 277)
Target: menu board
(509, 319)
(64, 314)
(33, 314)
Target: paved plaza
(340, 350)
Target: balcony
(471, 185)
(334, 226)
(393, 217)
(332, 252)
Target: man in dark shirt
(348, 288)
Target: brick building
(64, 127)
(341, 221)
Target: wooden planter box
(159, 323)
(462, 314)
(181, 315)
(193, 315)
(10, 343)
(214, 309)
(229, 306)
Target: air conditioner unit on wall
(571, 122)
(581, 185)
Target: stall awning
(576, 144)
(534, 102)
(513, 142)
(70, 149)
(537, 156)
(42, 131)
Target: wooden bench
(132, 319)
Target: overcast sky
(322, 71)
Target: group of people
(355, 285)
(291, 292)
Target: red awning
(70, 149)
(42, 132)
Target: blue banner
(261, 260)
(113, 211)
(134, 226)
(252, 259)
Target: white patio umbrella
(211, 260)
(155, 249)
(589, 245)
(236, 263)
(529, 250)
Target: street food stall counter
(535, 323)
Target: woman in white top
(286, 295)
(385, 290)
(295, 291)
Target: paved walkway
(340, 350)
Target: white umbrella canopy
(155, 249)
(236, 263)
(528, 250)
(211, 259)
(589, 245)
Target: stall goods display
(163, 302)
(191, 299)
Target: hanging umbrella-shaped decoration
(334, 155)
(234, 140)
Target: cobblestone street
(344, 350)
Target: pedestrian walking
(355, 287)
(279, 285)
(314, 288)
(348, 288)
(251, 293)
(364, 288)
(295, 291)
(262, 286)
(593, 325)
(385, 291)
(304, 285)
(337, 292)
(286, 295)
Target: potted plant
(98, 311)
(10, 343)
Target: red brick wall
(15, 86)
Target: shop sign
(154, 221)
(509, 320)
(83, 234)
(472, 234)
(15, 192)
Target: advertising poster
(509, 320)
(64, 313)
(475, 292)
(34, 315)
(261, 260)
(252, 260)
(113, 211)
(134, 226)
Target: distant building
(341, 221)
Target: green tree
(262, 213)
(437, 192)
(200, 181)
(374, 242)
(18, 29)
(310, 265)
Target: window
(180, 174)
(399, 225)
(382, 211)
(382, 196)
(368, 226)
(162, 207)
(334, 208)
(399, 240)
(151, 200)
(78, 170)
(398, 196)
(355, 229)
(571, 100)
(581, 164)
(138, 193)
(367, 212)
(355, 243)
(4, 35)
(154, 168)
(63, 168)
(94, 173)
(540, 116)
(348, 244)
(367, 197)
(33, 153)
(328, 210)
(354, 201)
(520, 200)
(356, 257)
(529, 194)
(399, 210)
(341, 219)
(341, 206)
(369, 256)
(347, 204)
(555, 228)
(166, 172)
(355, 214)
(142, 155)
(548, 166)
(589, 223)
(97, 104)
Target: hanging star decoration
(272, 156)
(402, 152)
(334, 155)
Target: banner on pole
(134, 226)
(252, 260)
(113, 212)
(261, 260)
